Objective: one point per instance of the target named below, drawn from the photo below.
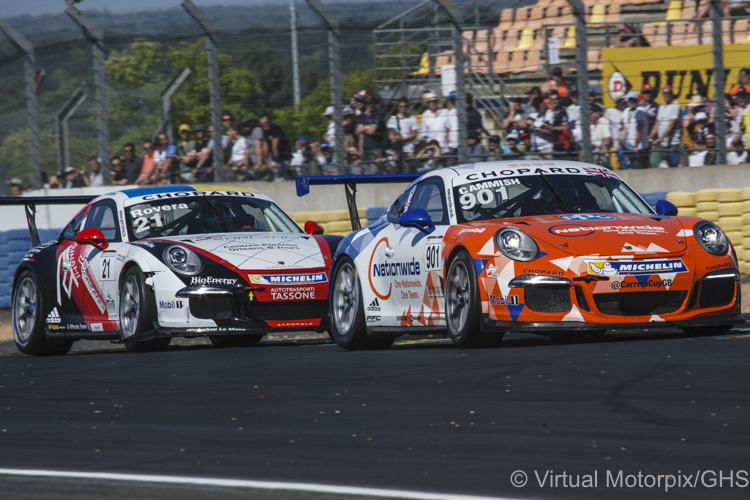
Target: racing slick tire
(235, 340)
(138, 313)
(462, 306)
(706, 331)
(348, 312)
(28, 325)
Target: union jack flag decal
(601, 172)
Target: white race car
(148, 264)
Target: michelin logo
(288, 279)
(54, 316)
(630, 268)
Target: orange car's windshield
(526, 195)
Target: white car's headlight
(183, 260)
(711, 238)
(516, 244)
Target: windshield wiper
(559, 199)
(221, 219)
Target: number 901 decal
(432, 257)
(484, 193)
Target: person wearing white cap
(16, 186)
(633, 138)
(434, 121)
(615, 117)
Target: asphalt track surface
(420, 417)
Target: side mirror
(417, 217)
(92, 236)
(663, 207)
(312, 227)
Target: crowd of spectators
(646, 128)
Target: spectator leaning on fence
(279, 152)
(601, 135)
(185, 154)
(514, 117)
(237, 163)
(163, 158)
(132, 163)
(574, 117)
(370, 141)
(403, 128)
(667, 132)
(119, 174)
(633, 138)
(95, 178)
(16, 186)
(434, 121)
(614, 115)
(147, 164)
(477, 153)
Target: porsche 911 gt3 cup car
(145, 265)
(556, 248)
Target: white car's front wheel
(138, 313)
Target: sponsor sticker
(585, 217)
(504, 300)
(209, 280)
(293, 293)
(300, 323)
(53, 317)
(577, 230)
(619, 285)
(432, 259)
(171, 304)
(491, 271)
(97, 327)
(635, 268)
(520, 169)
(374, 306)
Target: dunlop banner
(684, 68)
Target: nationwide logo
(406, 268)
(54, 316)
(209, 280)
(374, 306)
(635, 268)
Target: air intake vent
(639, 303)
(548, 299)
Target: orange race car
(556, 248)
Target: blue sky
(13, 8)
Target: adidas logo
(54, 316)
(374, 305)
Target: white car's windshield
(206, 214)
(526, 195)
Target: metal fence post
(214, 87)
(166, 102)
(295, 54)
(61, 127)
(458, 51)
(100, 87)
(719, 82)
(335, 64)
(32, 108)
(579, 11)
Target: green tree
(14, 154)
(192, 102)
(308, 120)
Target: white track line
(240, 483)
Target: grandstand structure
(506, 49)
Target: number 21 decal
(106, 269)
